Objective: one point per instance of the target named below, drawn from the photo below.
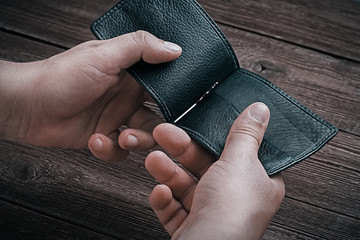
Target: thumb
(247, 133)
(128, 49)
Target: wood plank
(276, 232)
(74, 187)
(62, 23)
(324, 185)
(343, 152)
(21, 223)
(334, 168)
(304, 190)
(326, 85)
(20, 49)
(315, 222)
(323, 83)
(327, 25)
(329, 178)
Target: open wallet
(204, 90)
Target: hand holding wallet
(204, 90)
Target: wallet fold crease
(208, 74)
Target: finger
(105, 148)
(139, 135)
(177, 143)
(169, 211)
(136, 140)
(247, 133)
(241, 153)
(128, 49)
(165, 171)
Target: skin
(233, 198)
(80, 98)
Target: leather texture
(208, 70)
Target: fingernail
(97, 144)
(131, 141)
(259, 112)
(172, 47)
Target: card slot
(180, 87)
(293, 132)
(219, 115)
(300, 129)
(207, 56)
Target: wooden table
(310, 49)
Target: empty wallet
(204, 90)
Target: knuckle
(97, 49)
(91, 44)
(250, 130)
(139, 37)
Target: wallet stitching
(121, 4)
(108, 14)
(153, 93)
(290, 160)
(200, 137)
(116, 9)
(332, 130)
(288, 97)
(304, 154)
(308, 151)
(218, 32)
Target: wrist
(242, 225)
(16, 82)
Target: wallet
(204, 90)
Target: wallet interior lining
(283, 145)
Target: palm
(225, 198)
(77, 103)
(82, 96)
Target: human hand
(234, 198)
(81, 97)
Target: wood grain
(320, 82)
(327, 25)
(316, 222)
(19, 49)
(60, 23)
(343, 151)
(277, 231)
(324, 185)
(73, 186)
(18, 223)
(73, 190)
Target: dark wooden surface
(310, 49)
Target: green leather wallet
(204, 90)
